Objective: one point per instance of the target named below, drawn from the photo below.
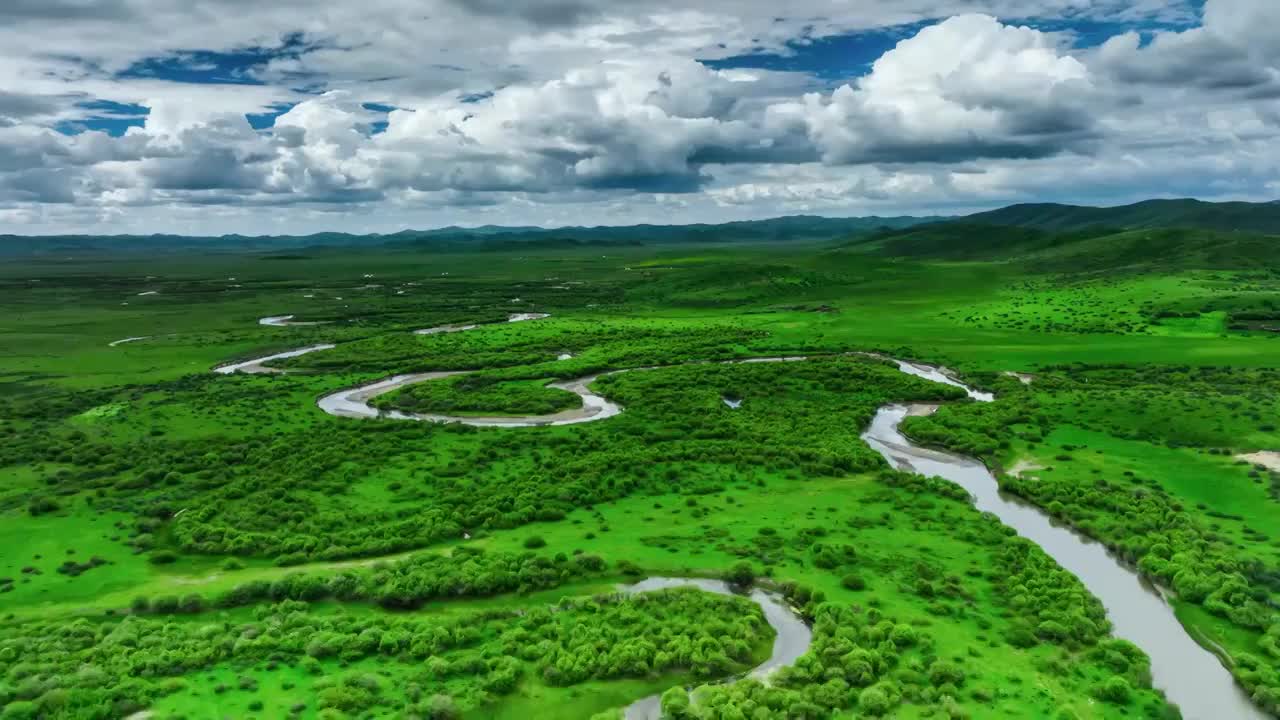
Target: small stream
(287, 321)
(792, 637)
(258, 366)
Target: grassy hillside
(962, 240)
(1084, 250)
(1162, 249)
(1226, 216)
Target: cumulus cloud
(968, 87)
(546, 110)
(636, 126)
(649, 126)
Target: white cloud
(618, 125)
(1236, 50)
(573, 109)
(966, 87)
(1252, 23)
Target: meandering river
(791, 639)
(1188, 674)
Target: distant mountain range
(784, 229)
(1020, 228)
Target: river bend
(791, 639)
(1188, 674)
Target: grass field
(198, 532)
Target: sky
(299, 116)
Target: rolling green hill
(1084, 250)
(959, 240)
(1223, 216)
(1162, 248)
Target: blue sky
(239, 65)
(106, 116)
(388, 114)
(834, 58)
(843, 57)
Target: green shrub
(1114, 690)
(43, 506)
(163, 557)
(942, 672)
(675, 704)
(853, 582)
(874, 701)
(20, 710)
(442, 707)
(590, 563)
(742, 573)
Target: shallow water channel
(258, 366)
(1190, 676)
(792, 637)
(286, 321)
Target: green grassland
(197, 532)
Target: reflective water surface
(792, 639)
(1190, 676)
